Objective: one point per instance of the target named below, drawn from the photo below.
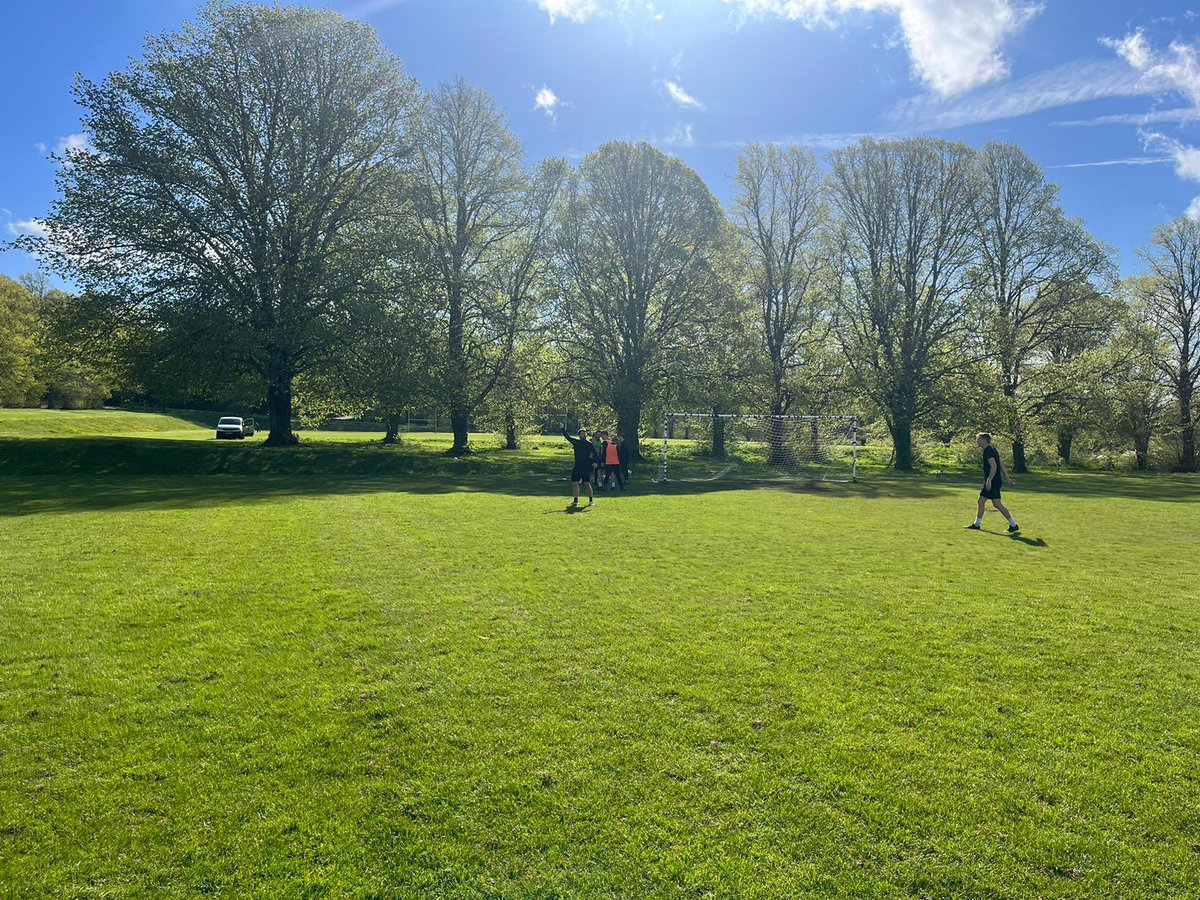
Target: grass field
(342, 670)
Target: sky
(1104, 95)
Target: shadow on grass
(90, 473)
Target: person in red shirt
(611, 459)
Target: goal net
(707, 447)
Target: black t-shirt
(584, 454)
(989, 453)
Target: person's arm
(995, 463)
(1004, 472)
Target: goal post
(758, 447)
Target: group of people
(600, 458)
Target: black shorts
(581, 473)
(993, 494)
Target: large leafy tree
(779, 212)
(237, 172)
(19, 383)
(483, 222)
(1030, 257)
(905, 211)
(1170, 300)
(638, 235)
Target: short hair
(986, 435)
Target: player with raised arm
(993, 472)
(585, 461)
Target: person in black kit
(585, 462)
(993, 472)
(623, 456)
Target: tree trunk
(393, 430)
(1019, 465)
(458, 424)
(718, 434)
(459, 414)
(902, 441)
(1065, 439)
(1141, 450)
(279, 405)
(510, 430)
(629, 422)
(776, 445)
(1187, 432)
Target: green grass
(28, 423)
(342, 669)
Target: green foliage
(19, 385)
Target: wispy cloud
(821, 140)
(682, 135)
(954, 45)
(676, 92)
(35, 227)
(1061, 86)
(547, 101)
(1127, 161)
(365, 8)
(1179, 116)
(573, 10)
(1175, 69)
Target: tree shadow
(73, 474)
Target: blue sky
(1106, 96)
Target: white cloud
(1060, 86)
(1175, 69)
(954, 45)
(1178, 115)
(72, 142)
(680, 136)
(40, 147)
(1127, 161)
(676, 92)
(35, 227)
(547, 101)
(573, 10)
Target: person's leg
(574, 491)
(591, 493)
(1012, 523)
(979, 510)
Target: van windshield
(230, 422)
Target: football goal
(748, 447)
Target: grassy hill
(70, 422)
(352, 670)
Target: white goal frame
(845, 421)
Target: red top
(611, 455)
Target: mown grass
(342, 669)
(26, 423)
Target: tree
(483, 222)
(1138, 398)
(779, 212)
(637, 237)
(905, 212)
(19, 385)
(238, 168)
(1170, 298)
(1029, 251)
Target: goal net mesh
(704, 447)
